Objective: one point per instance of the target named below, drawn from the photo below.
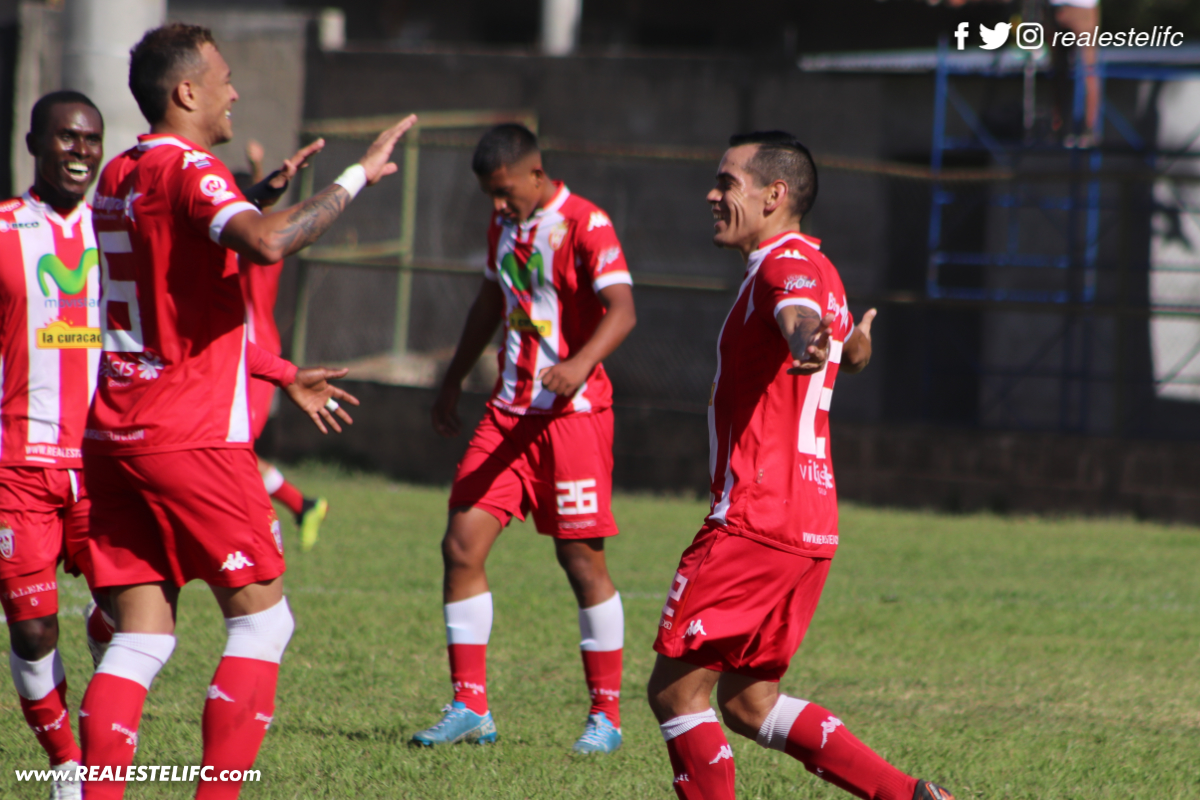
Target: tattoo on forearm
(807, 322)
(311, 218)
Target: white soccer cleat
(66, 784)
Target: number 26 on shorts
(576, 497)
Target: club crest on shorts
(276, 530)
(7, 540)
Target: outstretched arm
(807, 335)
(856, 353)
(267, 238)
(565, 379)
(482, 320)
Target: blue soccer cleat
(599, 736)
(460, 724)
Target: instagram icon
(1030, 35)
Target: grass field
(1006, 657)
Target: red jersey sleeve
(788, 278)
(262, 363)
(600, 252)
(209, 197)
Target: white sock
(678, 726)
(262, 636)
(774, 731)
(36, 679)
(469, 621)
(602, 627)
(137, 657)
(272, 480)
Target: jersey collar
(47, 211)
(148, 141)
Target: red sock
(602, 670)
(108, 723)
(98, 627)
(290, 496)
(468, 672)
(240, 705)
(829, 751)
(703, 763)
(51, 724)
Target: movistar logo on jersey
(521, 276)
(70, 281)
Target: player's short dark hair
(503, 146)
(39, 118)
(160, 60)
(781, 157)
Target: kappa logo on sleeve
(196, 158)
(795, 254)
(598, 219)
(795, 283)
(215, 187)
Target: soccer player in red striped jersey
(747, 587)
(168, 456)
(557, 278)
(49, 353)
(260, 286)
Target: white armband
(353, 179)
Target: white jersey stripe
(239, 412)
(45, 367)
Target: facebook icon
(961, 33)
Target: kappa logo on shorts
(725, 752)
(235, 561)
(695, 628)
(7, 540)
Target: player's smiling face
(737, 201)
(518, 189)
(67, 154)
(215, 92)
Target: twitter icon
(994, 37)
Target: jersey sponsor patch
(6, 226)
(598, 219)
(69, 280)
(11, 205)
(607, 257)
(215, 187)
(62, 335)
(795, 283)
(518, 320)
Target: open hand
(817, 352)
(375, 161)
(311, 392)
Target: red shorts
(737, 605)
(558, 467)
(180, 516)
(262, 398)
(43, 519)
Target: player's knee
(262, 636)
(740, 719)
(457, 552)
(34, 639)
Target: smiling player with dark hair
(747, 587)
(49, 349)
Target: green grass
(1006, 657)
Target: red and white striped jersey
(174, 374)
(551, 268)
(49, 332)
(769, 455)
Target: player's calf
(241, 696)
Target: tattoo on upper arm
(311, 218)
